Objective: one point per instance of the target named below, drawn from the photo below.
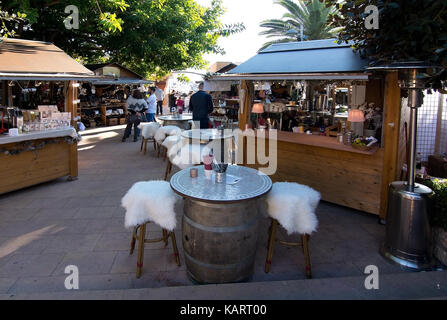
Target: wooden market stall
(314, 85)
(38, 102)
(103, 101)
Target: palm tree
(311, 15)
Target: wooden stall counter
(37, 157)
(342, 174)
(320, 141)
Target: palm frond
(312, 15)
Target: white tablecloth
(70, 132)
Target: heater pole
(412, 143)
(414, 102)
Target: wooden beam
(247, 89)
(73, 160)
(10, 99)
(391, 123)
(71, 94)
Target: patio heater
(407, 240)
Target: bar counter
(319, 141)
(342, 174)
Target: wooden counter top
(37, 135)
(318, 141)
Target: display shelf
(105, 117)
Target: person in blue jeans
(151, 105)
(136, 106)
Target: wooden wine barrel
(219, 240)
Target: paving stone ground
(47, 227)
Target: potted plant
(439, 218)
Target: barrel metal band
(247, 260)
(220, 229)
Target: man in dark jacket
(201, 105)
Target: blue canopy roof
(316, 56)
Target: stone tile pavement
(47, 227)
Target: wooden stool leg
(155, 145)
(272, 238)
(165, 153)
(165, 237)
(141, 238)
(134, 239)
(158, 151)
(145, 146)
(174, 246)
(168, 170)
(141, 148)
(305, 244)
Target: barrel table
(220, 223)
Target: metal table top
(175, 118)
(252, 184)
(206, 134)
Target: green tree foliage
(438, 215)
(311, 14)
(8, 21)
(150, 37)
(409, 30)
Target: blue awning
(316, 56)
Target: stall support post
(391, 122)
(246, 103)
(70, 97)
(73, 175)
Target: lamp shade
(356, 115)
(258, 108)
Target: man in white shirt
(160, 95)
(151, 105)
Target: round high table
(181, 121)
(207, 135)
(220, 222)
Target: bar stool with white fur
(150, 202)
(164, 132)
(148, 131)
(292, 205)
(185, 156)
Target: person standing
(172, 101)
(201, 105)
(136, 106)
(160, 95)
(180, 103)
(151, 105)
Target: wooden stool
(150, 202)
(293, 206)
(148, 132)
(139, 234)
(304, 246)
(144, 144)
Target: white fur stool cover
(189, 156)
(150, 201)
(172, 143)
(148, 130)
(163, 132)
(293, 205)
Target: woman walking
(136, 107)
